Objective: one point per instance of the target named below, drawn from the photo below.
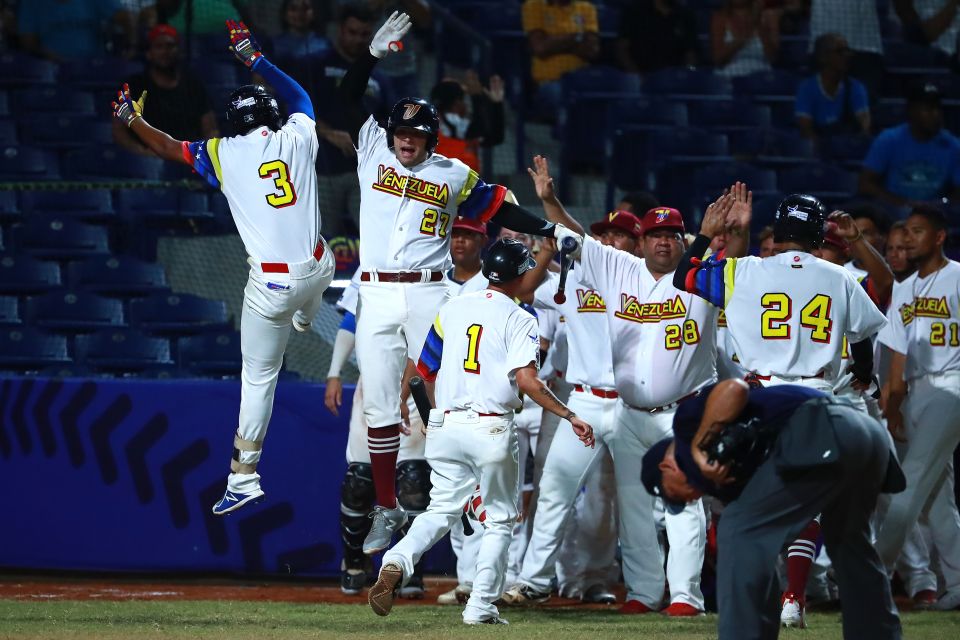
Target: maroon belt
(819, 375)
(482, 415)
(400, 276)
(666, 407)
(283, 267)
(600, 393)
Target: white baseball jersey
(270, 182)
(663, 339)
(589, 357)
(728, 362)
(478, 282)
(406, 214)
(474, 348)
(787, 314)
(925, 322)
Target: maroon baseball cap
(662, 218)
(623, 220)
(831, 237)
(469, 224)
(162, 30)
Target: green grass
(262, 621)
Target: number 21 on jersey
(284, 194)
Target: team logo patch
(662, 215)
(274, 286)
(410, 110)
(794, 212)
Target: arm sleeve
(523, 345)
(864, 317)
(432, 353)
(351, 90)
(519, 219)
(861, 353)
(710, 279)
(342, 348)
(288, 89)
(204, 157)
(878, 157)
(479, 200)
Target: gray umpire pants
(777, 504)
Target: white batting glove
(561, 232)
(388, 36)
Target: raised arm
(552, 207)
(866, 256)
(129, 112)
(705, 279)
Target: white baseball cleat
(524, 595)
(460, 595)
(792, 613)
(300, 323)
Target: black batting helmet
(414, 113)
(507, 260)
(250, 107)
(800, 218)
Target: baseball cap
(833, 238)
(652, 476)
(469, 224)
(162, 30)
(926, 92)
(662, 218)
(623, 220)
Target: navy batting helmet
(507, 260)
(414, 113)
(800, 218)
(250, 107)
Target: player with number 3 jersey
(266, 171)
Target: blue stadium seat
(73, 311)
(846, 150)
(21, 70)
(121, 350)
(221, 74)
(109, 163)
(8, 133)
(644, 112)
(53, 100)
(29, 349)
(9, 310)
(795, 53)
(889, 113)
(64, 132)
(66, 370)
(149, 206)
(23, 274)
(681, 83)
(908, 58)
(764, 210)
(768, 86)
(4, 105)
(827, 182)
(710, 181)
(728, 115)
(60, 237)
(9, 207)
(216, 353)
(784, 147)
(685, 146)
(28, 164)
(488, 17)
(178, 313)
(88, 204)
(599, 80)
(100, 73)
(117, 275)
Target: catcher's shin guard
(357, 496)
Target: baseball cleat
(301, 324)
(354, 578)
(524, 595)
(490, 620)
(460, 595)
(924, 600)
(635, 607)
(380, 596)
(948, 601)
(598, 594)
(682, 610)
(385, 523)
(448, 597)
(792, 612)
(413, 590)
(233, 500)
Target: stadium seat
(9, 207)
(66, 370)
(23, 274)
(216, 353)
(29, 349)
(599, 80)
(221, 74)
(827, 182)
(685, 146)
(645, 112)
(60, 237)
(682, 83)
(710, 181)
(73, 311)
(88, 204)
(8, 133)
(910, 59)
(846, 150)
(28, 164)
(53, 100)
(728, 115)
(99, 73)
(764, 210)
(9, 310)
(178, 313)
(4, 105)
(118, 276)
(101, 163)
(795, 53)
(121, 349)
(65, 132)
(784, 147)
(21, 70)
(889, 113)
(768, 86)
(487, 17)
(155, 207)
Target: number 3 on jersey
(470, 363)
(284, 196)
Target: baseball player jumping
(409, 196)
(482, 350)
(266, 171)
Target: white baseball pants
(393, 320)
(269, 302)
(464, 450)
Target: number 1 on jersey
(280, 173)
(471, 364)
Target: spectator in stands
(564, 36)
(655, 34)
(176, 101)
(896, 253)
(744, 38)
(60, 30)
(831, 102)
(299, 38)
(337, 158)
(918, 161)
(466, 127)
(637, 202)
(765, 240)
(198, 18)
(857, 22)
(933, 22)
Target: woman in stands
(744, 38)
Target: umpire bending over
(778, 456)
